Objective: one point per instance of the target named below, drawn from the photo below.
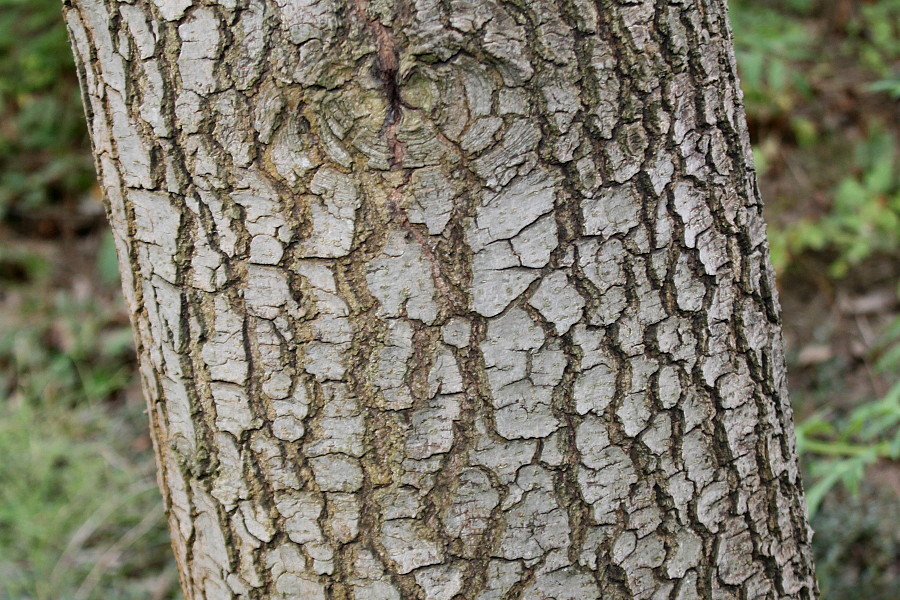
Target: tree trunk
(448, 299)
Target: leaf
(816, 493)
(891, 86)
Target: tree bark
(448, 299)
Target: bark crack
(387, 69)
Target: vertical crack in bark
(441, 279)
(387, 69)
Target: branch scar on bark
(387, 67)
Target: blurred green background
(80, 516)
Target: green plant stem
(844, 449)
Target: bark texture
(448, 299)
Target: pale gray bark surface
(448, 299)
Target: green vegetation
(863, 219)
(63, 534)
(42, 131)
(842, 448)
(79, 514)
(792, 73)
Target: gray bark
(448, 299)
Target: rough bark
(448, 299)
